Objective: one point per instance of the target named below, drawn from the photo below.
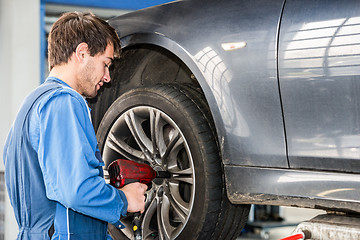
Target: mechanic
(53, 167)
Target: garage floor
(291, 215)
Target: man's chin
(91, 95)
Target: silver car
(242, 102)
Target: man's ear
(82, 52)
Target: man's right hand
(135, 195)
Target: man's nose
(106, 77)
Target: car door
(319, 74)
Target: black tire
(170, 127)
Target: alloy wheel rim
(147, 134)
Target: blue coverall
(53, 169)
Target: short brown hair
(73, 28)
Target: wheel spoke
(180, 213)
(134, 124)
(173, 150)
(128, 228)
(150, 195)
(159, 136)
(186, 179)
(150, 211)
(174, 141)
(173, 159)
(118, 145)
(164, 225)
(178, 199)
(181, 175)
(175, 169)
(154, 121)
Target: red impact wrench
(124, 171)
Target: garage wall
(19, 58)
(20, 72)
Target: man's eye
(109, 66)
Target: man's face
(95, 72)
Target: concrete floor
(290, 215)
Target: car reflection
(219, 75)
(326, 48)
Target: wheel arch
(133, 70)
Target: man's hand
(135, 195)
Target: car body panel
(263, 102)
(241, 85)
(319, 67)
(296, 188)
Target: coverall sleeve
(66, 153)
